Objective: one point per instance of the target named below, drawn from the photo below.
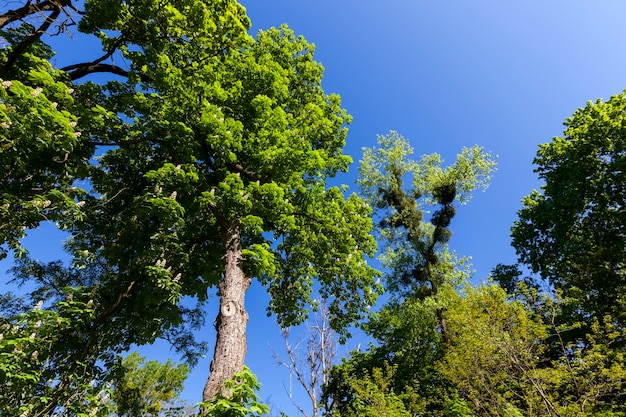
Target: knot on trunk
(229, 309)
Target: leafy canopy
(572, 232)
(411, 329)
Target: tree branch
(29, 9)
(251, 175)
(78, 71)
(170, 148)
(29, 40)
(110, 52)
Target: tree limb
(78, 71)
(252, 175)
(110, 52)
(30, 9)
(29, 40)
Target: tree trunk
(443, 325)
(231, 322)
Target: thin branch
(28, 41)
(109, 53)
(30, 9)
(111, 199)
(294, 370)
(170, 148)
(316, 360)
(119, 143)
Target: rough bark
(231, 322)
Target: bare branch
(316, 361)
(73, 67)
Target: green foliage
(457, 407)
(415, 249)
(409, 337)
(498, 361)
(591, 378)
(53, 360)
(572, 231)
(204, 134)
(368, 392)
(411, 330)
(143, 389)
(495, 352)
(500, 358)
(243, 400)
(244, 143)
(48, 360)
(42, 151)
(381, 168)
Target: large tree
(220, 179)
(573, 231)
(214, 152)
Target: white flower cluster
(36, 91)
(41, 204)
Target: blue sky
(444, 74)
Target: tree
(310, 364)
(45, 360)
(370, 392)
(411, 329)
(215, 151)
(501, 359)
(495, 354)
(572, 232)
(408, 345)
(65, 353)
(237, 192)
(416, 250)
(147, 388)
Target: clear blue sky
(445, 74)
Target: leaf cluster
(243, 400)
